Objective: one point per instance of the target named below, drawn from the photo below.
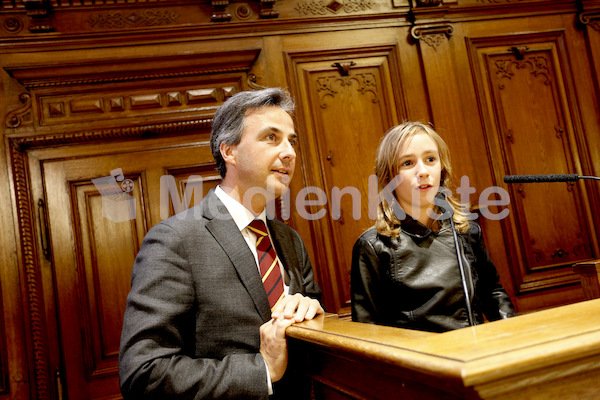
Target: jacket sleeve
(494, 300)
(364, 282)
(157, 355)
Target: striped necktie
(267, 262)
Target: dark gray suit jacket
(191, 326)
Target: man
(199, 322)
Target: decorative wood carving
(537, 66)
(590, 18)
(219, 12)
(318, 7)
(329, 86)
(22, 115)
(432, 34)
(251, 81)
(266, 9)
(72, 108)
(12, 25)
(38, 12)
(132, 19)
(243, 11)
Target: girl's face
(420, 173)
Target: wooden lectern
(589, 273)
(551, 354)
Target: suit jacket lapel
(227, 234)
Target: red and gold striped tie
(268, 262)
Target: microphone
(546, 178)
(541, 178)
(447, 209)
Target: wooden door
(94, 238)
(347, 100)
(533, 128)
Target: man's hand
(297, 307)
(273, 346)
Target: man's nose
(287, 151)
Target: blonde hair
(386, 168)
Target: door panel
(95, 238)
(348, 100)
(530, 120)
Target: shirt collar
(414, 228)
(240, 214)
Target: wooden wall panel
(77, 76)
(531, 131)
(348, 98)
(193, 183)
(106, 251)
(107, 230)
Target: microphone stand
(461, 267)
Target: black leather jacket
(413, 281)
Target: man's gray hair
(228, 122)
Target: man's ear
(228, 153)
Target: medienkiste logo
(311, 202)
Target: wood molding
(135, 69)
(31, 267)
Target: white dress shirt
(242, 218)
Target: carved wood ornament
(591, 19)
(432, 35)
(21, 115)
(329, 86)
(38, 12)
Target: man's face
(265, 157)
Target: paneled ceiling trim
(122, 70)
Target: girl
(405, 270)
